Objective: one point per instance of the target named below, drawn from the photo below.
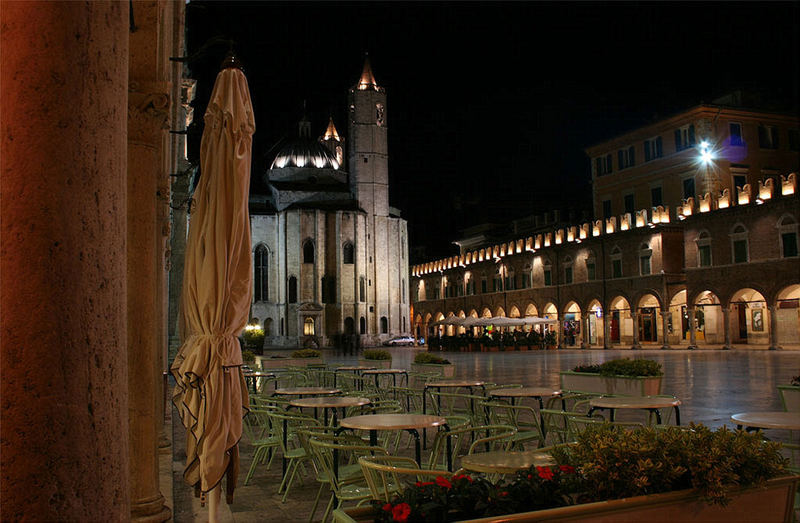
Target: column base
(636, 347)
(691, 347)
(726, 347)
(150, 510)
(775, 347)
(665, 347)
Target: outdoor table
(356, 369)
(438, 385)
(329, 402)
(306, 391)
(392, 372)
(252, 377)
(408, 422)
(505, 462)
(649, 403)
(767, 420)
(530, 392)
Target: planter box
(281, 363)
(447, 370)
(628, 385)
(790, 397)
(378, 364)
(769, 504)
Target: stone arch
(268, 327)
(594, 334)
(648, 313)
(308, 250)
(708, 324)
(749, 316)
(530, 310)
(513, 312)
(473, 313)
(499, 312)
(571, 324)
(787, 302)
(620, 322)
(648, 298)
(486, 313)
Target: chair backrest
(386, 475)
(410, 398)
(294, 422)
(558, 426)
(580, 423)
(323, 455)
(467, 440)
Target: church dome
(305, 152)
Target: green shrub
(614, 463)
(376, 354)
(623, 367)
(253, 337)
(427, 357)
(307, 353)
(248, 356)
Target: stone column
(148, 117)
(560, 330)
(64, 431)
(606, 330)
(692, 329)
(726, 327)
(635, 323)
(773, 328)
(665, 328)
(584, 330)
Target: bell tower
(368, 151)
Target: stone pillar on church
(149, 98)
(726, 327)
(635, 329)
(606, 329)
(773, 328)
(65, 381)
(692, 328)
(665, 328)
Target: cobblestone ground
(711, 384)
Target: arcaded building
(330, 254)
(695, 243)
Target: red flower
(503, 494)
(387, 507)
(442, 482)
(530, 477)
(462, 476)
(401, 512)
(545, 472)
(567, 469)
(424, 484)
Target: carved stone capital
(148, 110)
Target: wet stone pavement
(712, 384)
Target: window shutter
(691, 134)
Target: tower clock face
(380, 114)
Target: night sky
(490, 105)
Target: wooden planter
(772, 503)
(627, 385)
(378, 364)
(281, 363)
(790, 397)
(446, 370)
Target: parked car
(400, 340)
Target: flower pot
(770, 503)
(627, 385)
(790, 397)
(446, 370)
(378, 364)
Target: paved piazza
(711, 384)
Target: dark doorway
(647, 324)
(615, 327)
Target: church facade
(330, 256)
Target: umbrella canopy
(450, 320)
(210, 392)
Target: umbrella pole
(213, 504)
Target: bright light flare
(707, 154)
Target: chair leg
(328, 510)
(257, 457)
(316, 502)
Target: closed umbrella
(210, 392)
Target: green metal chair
(292, 450)
(265, 441)
(522, 417)
(387, 475)
(468, 440)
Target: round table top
(525, 392)
(329, 402)
(385, 371)
(768, 420)
(307, 391)
(455, 383)
(392, 421)
(634, 402)
(505, 462)
(355, 367)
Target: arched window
(268, 327)
(787, 230)
(292, 289)
(384, 325)
(616, 262)
(591, 267)
(348, 253)
(703, 249)
(645, 253)
(308, 251)
(568, 272)
(362, 325)
(739, 244)
(261, 274)
(308, 326)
